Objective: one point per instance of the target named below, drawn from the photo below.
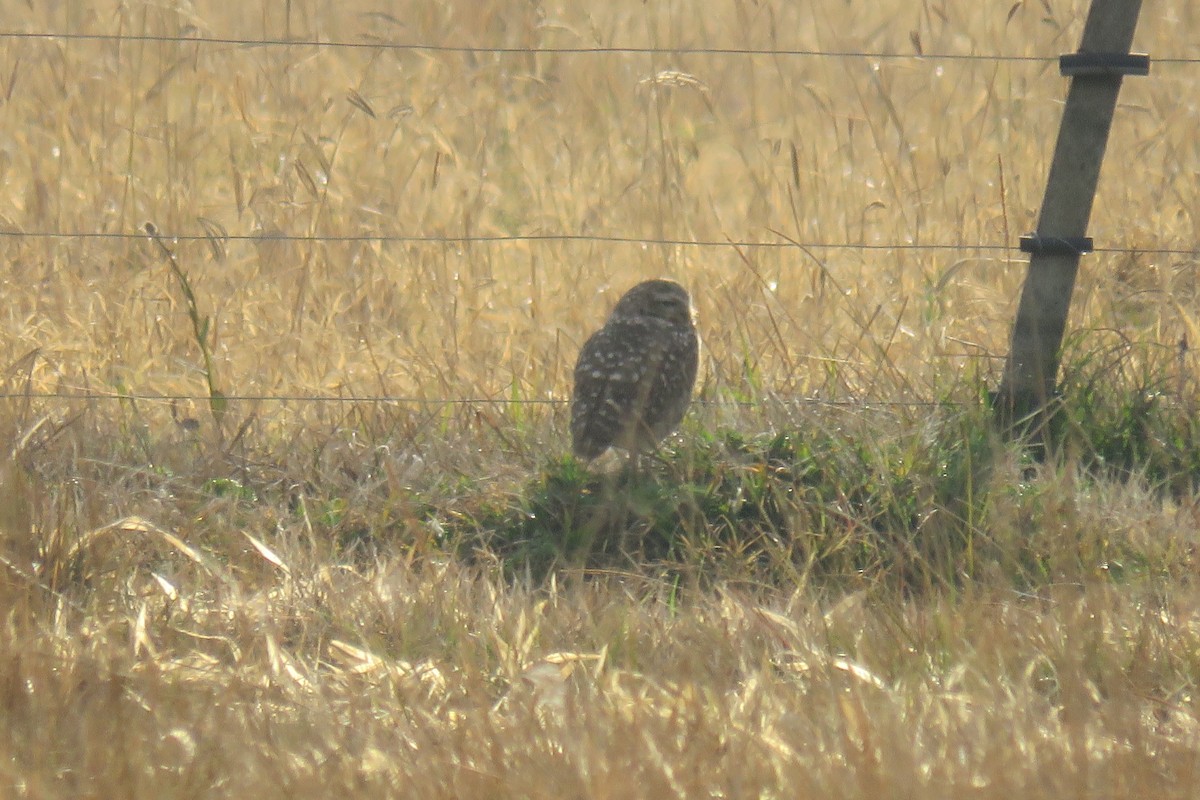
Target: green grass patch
(921, 503)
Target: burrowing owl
(634, 376)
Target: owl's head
(659, 299)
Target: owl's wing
(611, 385)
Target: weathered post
(1030, 376)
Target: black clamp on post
(1104, 65)
(1056, 245)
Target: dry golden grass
(185, 612)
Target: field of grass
(285, 505)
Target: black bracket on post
(1056, 245)
(1079, 65)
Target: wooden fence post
(1030, 376)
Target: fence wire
(462, 401)
(533, 238)
(380, 44)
